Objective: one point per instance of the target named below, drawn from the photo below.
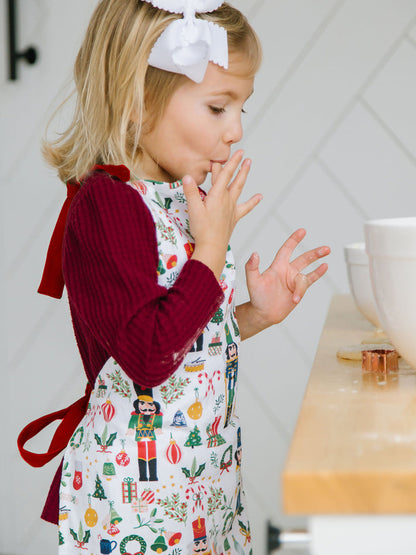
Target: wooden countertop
(354, 447)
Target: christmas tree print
(174, 389)
(173, 508)
(61, 539)
(99, 490)
(120, 385)
(194, 438)
(218, 316)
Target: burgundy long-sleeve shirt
(118, 309)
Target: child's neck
(147, 168)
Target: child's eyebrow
(232, 94)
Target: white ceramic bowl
(359, 280)
(391, 248)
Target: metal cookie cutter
(380, 360)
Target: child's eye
(217, 109)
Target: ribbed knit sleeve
(110, 260)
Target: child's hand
(276, 292)
(213, 219)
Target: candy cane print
(196, 495)
(209, 380)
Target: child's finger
(252, 269)
(215, 172)
(286, 250)
(303, 282)
(245, 207)
(317, 273)
(227, 172)
(239, 181)
(307, 258)
(301, 286)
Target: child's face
(200, 124)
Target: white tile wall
(395, 81)
(369, 164)
(331, 130)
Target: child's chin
(203, 177)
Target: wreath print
(72, 442)
(131, 538)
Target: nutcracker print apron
(159, 470)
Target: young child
(153, 451)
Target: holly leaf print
(186, 472)
(200, 470)
(97, 439)
(111, 439)
(73, 534)
(86, 537)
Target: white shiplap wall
(332, 133)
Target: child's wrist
(211, 258)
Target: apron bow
(71, 416)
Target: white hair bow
(188, 44)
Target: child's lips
(222, 162)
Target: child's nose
(234, 133)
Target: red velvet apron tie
(52, 282)
(70, 416)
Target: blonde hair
(115, 86)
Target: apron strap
(71, 416)
(52, 282)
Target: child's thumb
(252, 267)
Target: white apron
(159, 470)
